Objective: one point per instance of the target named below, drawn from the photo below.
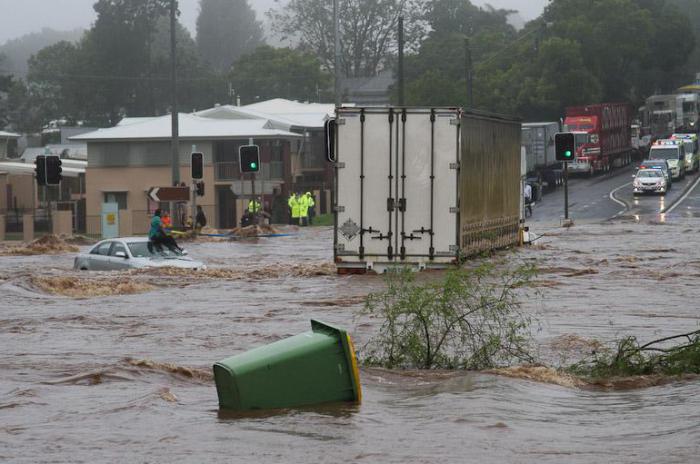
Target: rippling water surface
(126, 378)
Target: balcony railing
(268, 171)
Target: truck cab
(673, 151)
(587, 156)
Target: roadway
(608, 196)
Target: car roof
(125, 239)
(654, 161)
(649, 169)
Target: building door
(225, 207)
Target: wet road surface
(610, 195)
(126, 378)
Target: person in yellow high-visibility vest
(304, 210)
(312, 207)
(254, 206)
(295, 208)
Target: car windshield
(140, 250)
(650, 173)
(664, 153)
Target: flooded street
(127, 377)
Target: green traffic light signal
(249, 158)
(565, 146)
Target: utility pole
(469, 72)
(175, 131)
(336, 65)
(400, 71)
(175, 142)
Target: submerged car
(650, 180)
(131, 253)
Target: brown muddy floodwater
(126, 377)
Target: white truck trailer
(423, 187)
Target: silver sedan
(130, 253)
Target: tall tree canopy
(120, 67)
(367, 31)
(279, 72)
(226, 29)
(578, 51)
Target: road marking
(619, 202)
(683, 197)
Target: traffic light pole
(566, 190)
(193, 189)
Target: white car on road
(650, 181)
(131, 253)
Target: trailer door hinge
(454, 166)
(390, 204)
(454, 209)
(339, 165)
(402, 205)
(339, 209)
(340, 121)
(454, 121)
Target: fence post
(28, 227)
(62, 223)
(2, 227)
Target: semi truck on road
(422, 187)
(603, 136)
(543, 170)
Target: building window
(116, 197)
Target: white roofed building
(126, 161)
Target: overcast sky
(19, 17)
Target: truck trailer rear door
(396, 186)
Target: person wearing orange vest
(166, 222)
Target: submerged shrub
(470, 319)
(629, 357)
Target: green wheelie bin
(310, 368)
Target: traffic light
(199, 188)
(197, 165)
(40, 169)
(249, 158)
(329, 135)
(53, 170)
(565, 146)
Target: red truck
(603, 136)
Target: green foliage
(279, 72)
(120, 67)
(367, 31)
(470, 319)
(226, 29)
(656, 357)
(579, 51)
(323, 220)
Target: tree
(279, 72)
(19, 50)
(226, 29)
(117, 48)
(436, 75)
(53, 88)
(367, 31)
(635, 47)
